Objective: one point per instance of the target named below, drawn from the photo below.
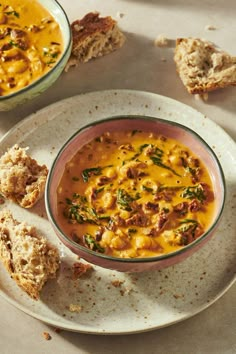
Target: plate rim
(56, 106)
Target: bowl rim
(165, 256)
(66, 49)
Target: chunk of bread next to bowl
(202, 67)
(94, 36)
(27, 256)
(22, 179)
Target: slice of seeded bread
(26, 255)
(202, 67)
(94, 36)
(22, 179)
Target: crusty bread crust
(202, 67)
(26, 255)
(22, 179)
(94, 36)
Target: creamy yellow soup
(30, 43)
(135, 194)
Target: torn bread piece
(26, 255)
(94, 36)
(202, 67)
(22, 179)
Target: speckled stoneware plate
(112, 302)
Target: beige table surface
(139, 65)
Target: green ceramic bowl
(27, 93)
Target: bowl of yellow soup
(135, 193)
(35, 41)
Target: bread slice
(94, 36)
(26, 255)
(202, 67)
(22, 179)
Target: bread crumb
(47, 336)
(161, 41)
(128, 290)
(201, 97)
(57, 330)
(210, 28)
(75, 308)
(120, 14)
(79, 269)
(117, 283)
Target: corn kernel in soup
(30, 43)
(143, 195)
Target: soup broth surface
(135, 194)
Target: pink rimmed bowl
(167, 128)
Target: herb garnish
(16, 44)
(188, 169)
(88, 172)
(147, 189)
(92, 244)
(49, 53)
(131, 232)
(99, 190)
(166, 210)
(79, 210)
(188, 226)
(157, 157)
(14, 13)
(142, 147)
(192, 171)
(194, 192)
(185, 221)
(157, 161)
(124, 199)
(93, 171)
